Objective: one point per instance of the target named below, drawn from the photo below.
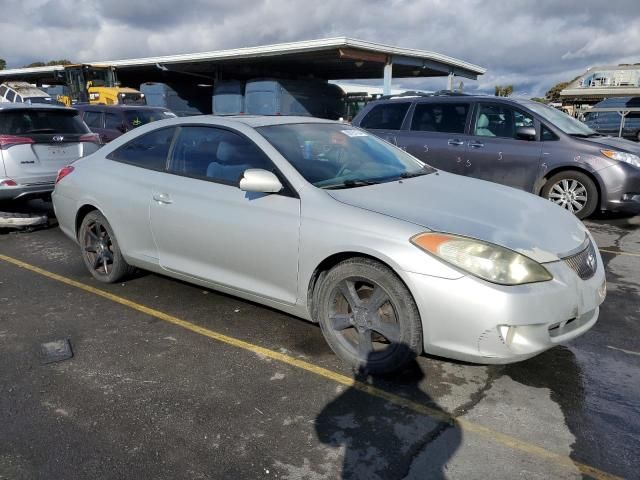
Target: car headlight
(485, 260)
(629, 158)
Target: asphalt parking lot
(169, 380)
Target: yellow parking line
(464, 424)
(620, 253)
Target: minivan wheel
(572, 190)
(100, 250)
(368, 316)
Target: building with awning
(598, 83)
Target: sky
(528, 44)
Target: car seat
(482, 126)
(232, 159)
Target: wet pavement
(144, 398)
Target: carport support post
(623, 116)
(388, 73)
(450, 80)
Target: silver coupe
(329, 223)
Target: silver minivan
(35, 142)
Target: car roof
(268, 120)
(85, 106)
(35, 106)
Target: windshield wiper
(419, 173)
(586, 135)
(41, 130)
(351, 184)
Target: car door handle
(455, 141)
(476, 145)
(162, 198)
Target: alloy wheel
(364, 318)
(98, 248)
(569, 194)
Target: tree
(49, 63)
(3, 64)
(503, 91)
(539, 99)
(553, 94)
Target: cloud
(531, 45)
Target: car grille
(583, 263)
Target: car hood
(614, 142)
(487, 211)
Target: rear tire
(574, 191)
(100, 250)
(368, 316)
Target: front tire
(100, 250)
(574, 191)
(368, 316)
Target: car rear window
(386, 116)
(24, 122)
(440, 117)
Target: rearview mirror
(122, 128)
(526, 133)
(259, 180)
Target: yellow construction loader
(97, 84)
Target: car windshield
(561, 120)
(332, 155)
(142, 117)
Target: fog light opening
(507, 332)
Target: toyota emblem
(58, 138)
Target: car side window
(11, 95)
(112, 121)
(215, 154)
(547, 135)
(147, 151)
(500, 121)
(386, 116)
(18, 99)
(92, 119)
(3, 90)
(440, 117)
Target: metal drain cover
(55, 351)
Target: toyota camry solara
(326, 222)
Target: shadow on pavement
(381, 440)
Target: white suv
(23, 92)
(35, 142)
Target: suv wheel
(572, 190)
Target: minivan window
(440, 117)
(386, 116)
(93, 119)
(148, 151)
(20, 122)
(216, 154)
(112, 121)
(11, 95)
(142, 117)
(561, 120)
(493, 120)
(3, 89)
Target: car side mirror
(526, 133)
(259, 180)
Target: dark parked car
(519, 143)
(604, 117)
(111, 121)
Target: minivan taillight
(63, 172)
(7, 141)
(90, 137)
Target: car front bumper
(472, 320)
(23, 191)
(621, 188)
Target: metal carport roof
(331, 59)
